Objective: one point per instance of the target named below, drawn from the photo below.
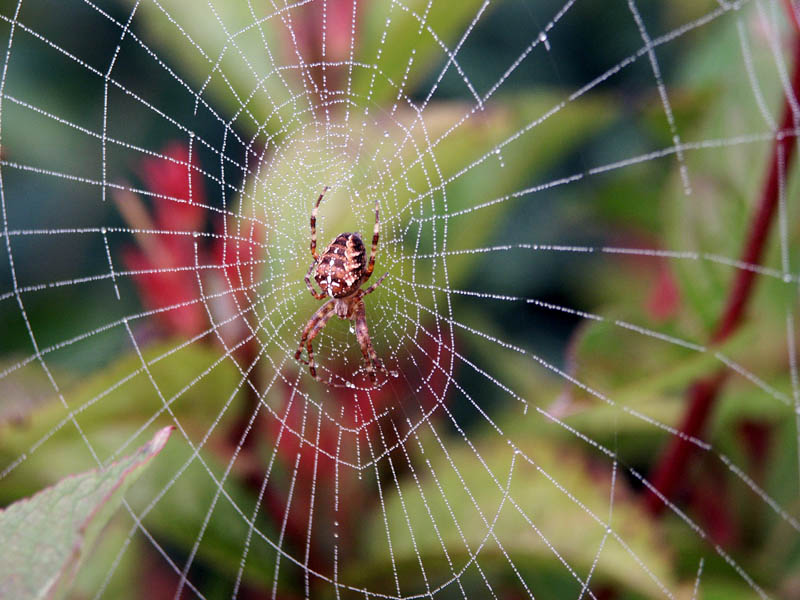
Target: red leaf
(179, 206)
(665, 297)
(161, 286)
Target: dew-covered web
(160, 161)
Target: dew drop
(545, 41)
(499, 157)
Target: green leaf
(121, 393)
(496, 496)
(185, 490)
(514, 142)
(630, 365)
(43, 539)
(184, 505)
(125, 583)
(650, 376)
(392, 34)
(727, 179)
(721, 589)
(112, 406)
(219, 38)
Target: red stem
(790, 9)
(671, 467)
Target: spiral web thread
(412, 317)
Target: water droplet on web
(352, 329)
(499, 157)
(386, 134)
(349, 384)
(545, 41)
(103, 230)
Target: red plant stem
(671, 467)
(790, 9)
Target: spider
(340, 272)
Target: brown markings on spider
(340, 272)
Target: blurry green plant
(681, 298)
(44, 539)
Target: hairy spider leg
(314, 224)
(315, 293)
(371, 288)
(362, 334)
(314, 326)
(375, 234)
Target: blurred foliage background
(549, 312)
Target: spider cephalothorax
(340, 271)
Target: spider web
(452, 463)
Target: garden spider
(340, 272)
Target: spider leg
(312, 328)
(316, 329)
(375, 234)
(315, 293)
(371, 288)
(362, 333)
(314, 225)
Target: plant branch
(671, 467)
(793, 16)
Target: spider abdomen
(341, 267)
